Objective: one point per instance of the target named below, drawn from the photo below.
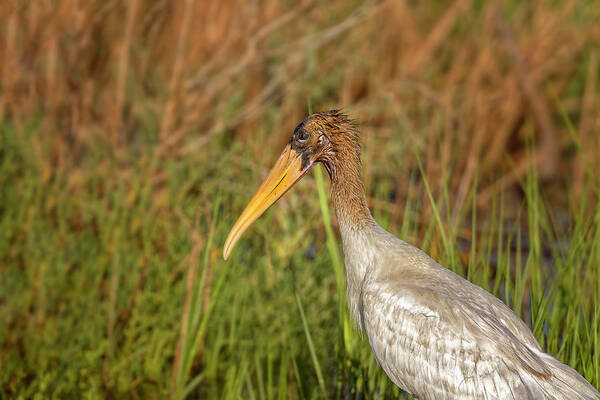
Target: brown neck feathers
(348, 192)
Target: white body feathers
(437, 335)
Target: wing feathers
(446, 351)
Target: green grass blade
(311, 347)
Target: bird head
(322, 137)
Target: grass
(110, 287)
(132, 134)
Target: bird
(434, 333)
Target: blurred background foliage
(133, 133)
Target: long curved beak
(284, 174)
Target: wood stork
(435, 334)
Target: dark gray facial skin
(299, 143)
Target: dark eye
(302, 136)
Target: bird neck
(348, 192)
(357, 226)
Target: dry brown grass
(469, 82)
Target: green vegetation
(116, 287)
(132, 138)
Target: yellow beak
(285, 173)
